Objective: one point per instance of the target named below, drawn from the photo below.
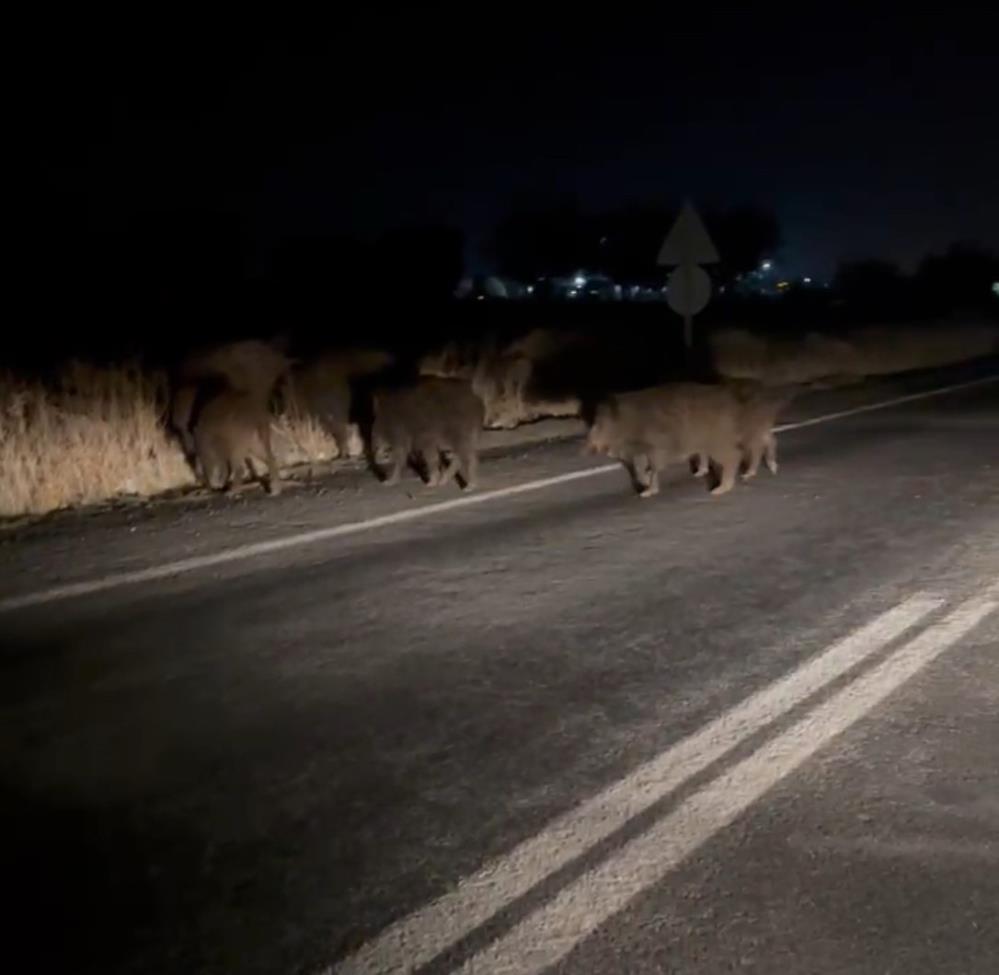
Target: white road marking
(414, 940)
(550, 933)
(885, 404)
(254, 549)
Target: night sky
(869, 135)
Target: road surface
(556, 729)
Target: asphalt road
(557, 729)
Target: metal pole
(688, 319)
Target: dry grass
(883, 351)
(743, 355)
(501, 376)
(302, 439)
(321, 387)
(863, 352)
(94, 434)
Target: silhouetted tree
(555, 237)
(189, 250)
(873, 286)
(542, 237)
(629, 240)
(961, 277)
(744, 236)
(628, 243)
(313, 276)
(187, 267)
(420, 265)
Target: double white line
(553, 930)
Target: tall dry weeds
(502, 376)
(300, 438)
(98, 433)
(872, 351)
(93, 434)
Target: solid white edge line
(886, 404)
(419, 937)
(545, 937)
(254, 549)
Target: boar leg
(214, 466)
(728, 462)
(770, 452)
(650, 481)
(468, 462)
(429, 453)
(400, 457)
(273, 474)
(754, 454)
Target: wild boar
(327, 386)
(250, 366)
(233, 429)
(434, 421)
(650, 428)
(759, 407)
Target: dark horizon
(869, 137)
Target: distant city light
(807, 280)
(573, 292)
(579, 281)
(767, 266)
(530, 289)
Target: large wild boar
(232, 429)
(651, 428)
(249, 366)
(433, 421)
(324, 386)
(758, 409)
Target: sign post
(686, 247)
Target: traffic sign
(688, 242)
(688, 289)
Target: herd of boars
(433, 424)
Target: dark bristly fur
(425, 420)
(651, 428)
(233, 429)
(759, 407)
